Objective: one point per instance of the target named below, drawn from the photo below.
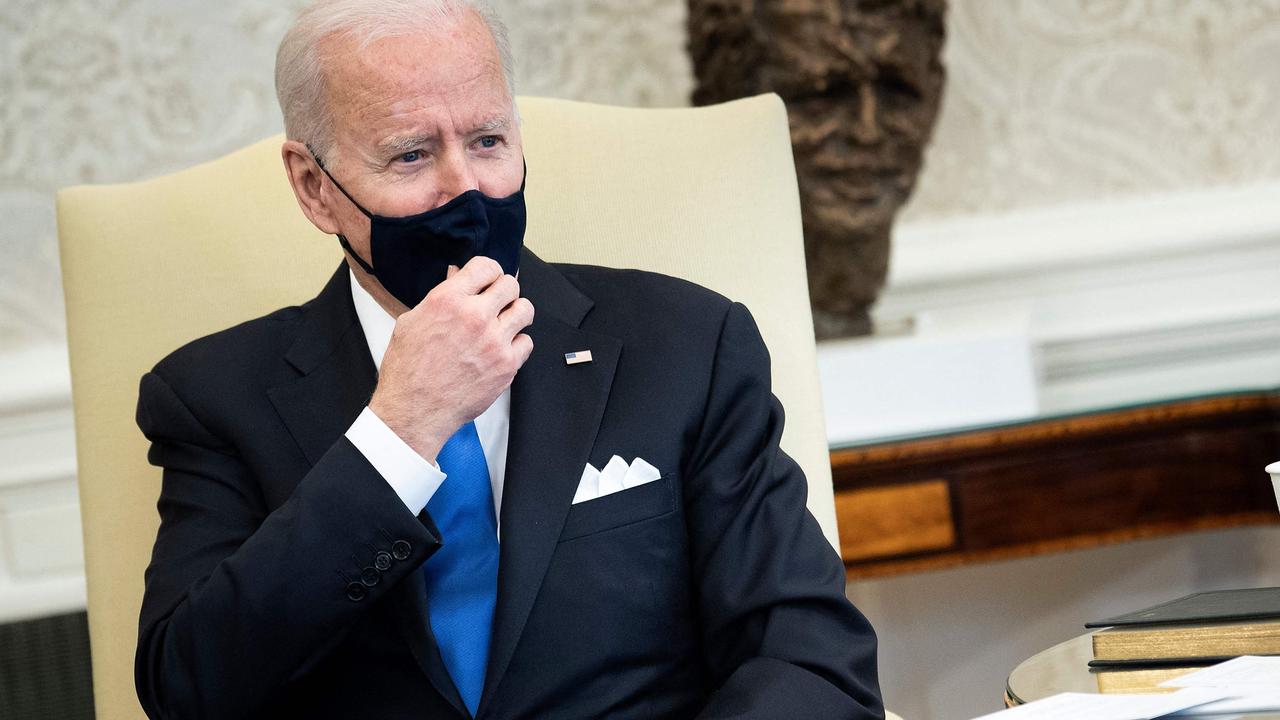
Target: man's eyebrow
(493, 124)
(397, 144)
(400, 144)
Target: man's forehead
(449, 75)
(426, 61)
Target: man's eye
(411, 156)
(489, 141)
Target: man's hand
(453, 355)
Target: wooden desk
(1057, 484)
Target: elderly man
(412, 498)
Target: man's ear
(307, 181)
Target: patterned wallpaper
(1056, 101)
(1048, 102)
(118, 90)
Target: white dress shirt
(413, 478)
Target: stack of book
(1137, 651)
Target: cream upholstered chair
(708, 194)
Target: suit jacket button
(356, 592)
(400, 549)
(382, 561)
(370, 577)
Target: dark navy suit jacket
(285, 580)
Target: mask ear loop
(342, 239)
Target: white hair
(300, 77)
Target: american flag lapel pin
(581, 356)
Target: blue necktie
(462, 575)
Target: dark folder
(1221, 606)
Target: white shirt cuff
(413, 478)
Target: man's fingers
(479, 273)
(517, 316)
(523, 346)
(504, 291)
(453, 270)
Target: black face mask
(411, 255)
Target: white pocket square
(616, 476)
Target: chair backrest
(708, 194)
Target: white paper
(1253, 681)
(1245, 670)
(1075, 706)
(1259, 700)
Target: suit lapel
(555, 414)
(337, 380)
(337, 372)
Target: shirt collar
(376, 322)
